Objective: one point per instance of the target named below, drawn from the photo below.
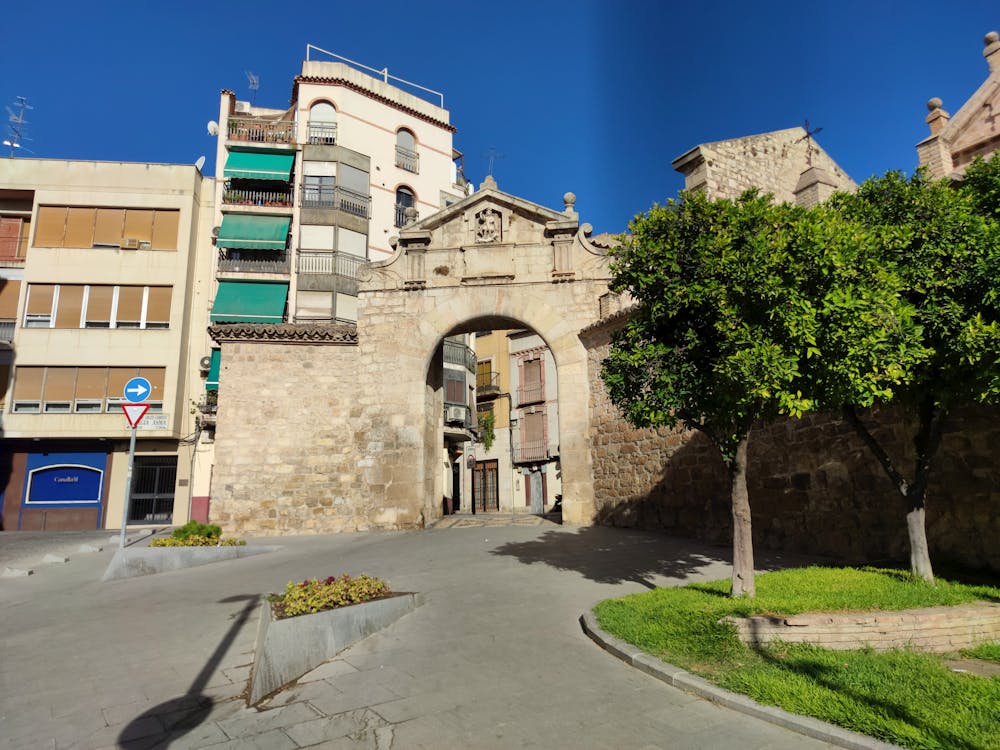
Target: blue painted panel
(65, 479)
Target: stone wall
(299, 442)
(814, 487)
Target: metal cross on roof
(809, 142)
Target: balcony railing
(341, 264)
(401, 215)
(321, 133)
(337, 197)
(256, 130)
(460, 354)
(487, 383)
(253, 261)
(7, 330)
(530, 394)
(407, 159)
(530, 450)
(243, 197)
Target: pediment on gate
(489, 237)
(975, 128)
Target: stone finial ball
(933, 104)
(569, 199)
(410, 212)
(991, 37)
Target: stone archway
(326, 428)
(492, 260)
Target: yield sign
(134, 413)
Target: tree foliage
(736, 301)
(943, 243)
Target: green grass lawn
(904, 697)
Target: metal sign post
(134, 414)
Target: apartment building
(460, 424)
(517, 393)
(309, 193)
(103, 271)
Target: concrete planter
(144, 561)
(287, 649)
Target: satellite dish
(200, 163)
(213, 127)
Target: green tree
(734, 299)
(939, 241)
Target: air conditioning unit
(145, 244)
(130, 243)
(243, 107)
(205, 363)
(455, 414)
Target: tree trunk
(927, 440)
(743, 580)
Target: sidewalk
(495, 658)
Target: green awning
(253, 232)
(249, 302)
(212, 383)
(257, 166)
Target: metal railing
(487, 383)
(255, 130)
(321, 133)
(530, 450)
(530, 394)
(460, 354)
(341, 264)
(384, 73)
(407, 159)
(243, 197)
(401, 215)
(338, 197)
(263, 261)
(7, 330)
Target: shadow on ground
(169, 721)
(609, 555)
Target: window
(405, 198)
(454, 387)
(14, 236)
(322, 124)
(406, 151)
(532, 384)
(81, 390)
(97, 306)
(86, 227)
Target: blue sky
(593, 97)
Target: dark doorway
(153, 481)
(485, 491)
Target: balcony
(487, 384)
(321, 133)
(401, 214)
(253, 261)
(208, 409)
(460, 354)
(337, 197)
(338, 264)
(457, 416)
(249, 197)
(532, 393)
(407, 159)
(530, 450)
(7, 330)
(255, 130)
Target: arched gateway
(337, 428)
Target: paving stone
(354, 723)
(328, 670)
(274, 739)
(251, 722)
(338, 703)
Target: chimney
(992, 51)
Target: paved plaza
(495, 657)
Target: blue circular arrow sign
(137, 390)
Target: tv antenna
(15, 125)
(493, 155)
(809, 142)
(253, 83)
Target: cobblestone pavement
(494, 658)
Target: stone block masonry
(814, 486)
(937, 629)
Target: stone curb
(142, 561)
(677, 677)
